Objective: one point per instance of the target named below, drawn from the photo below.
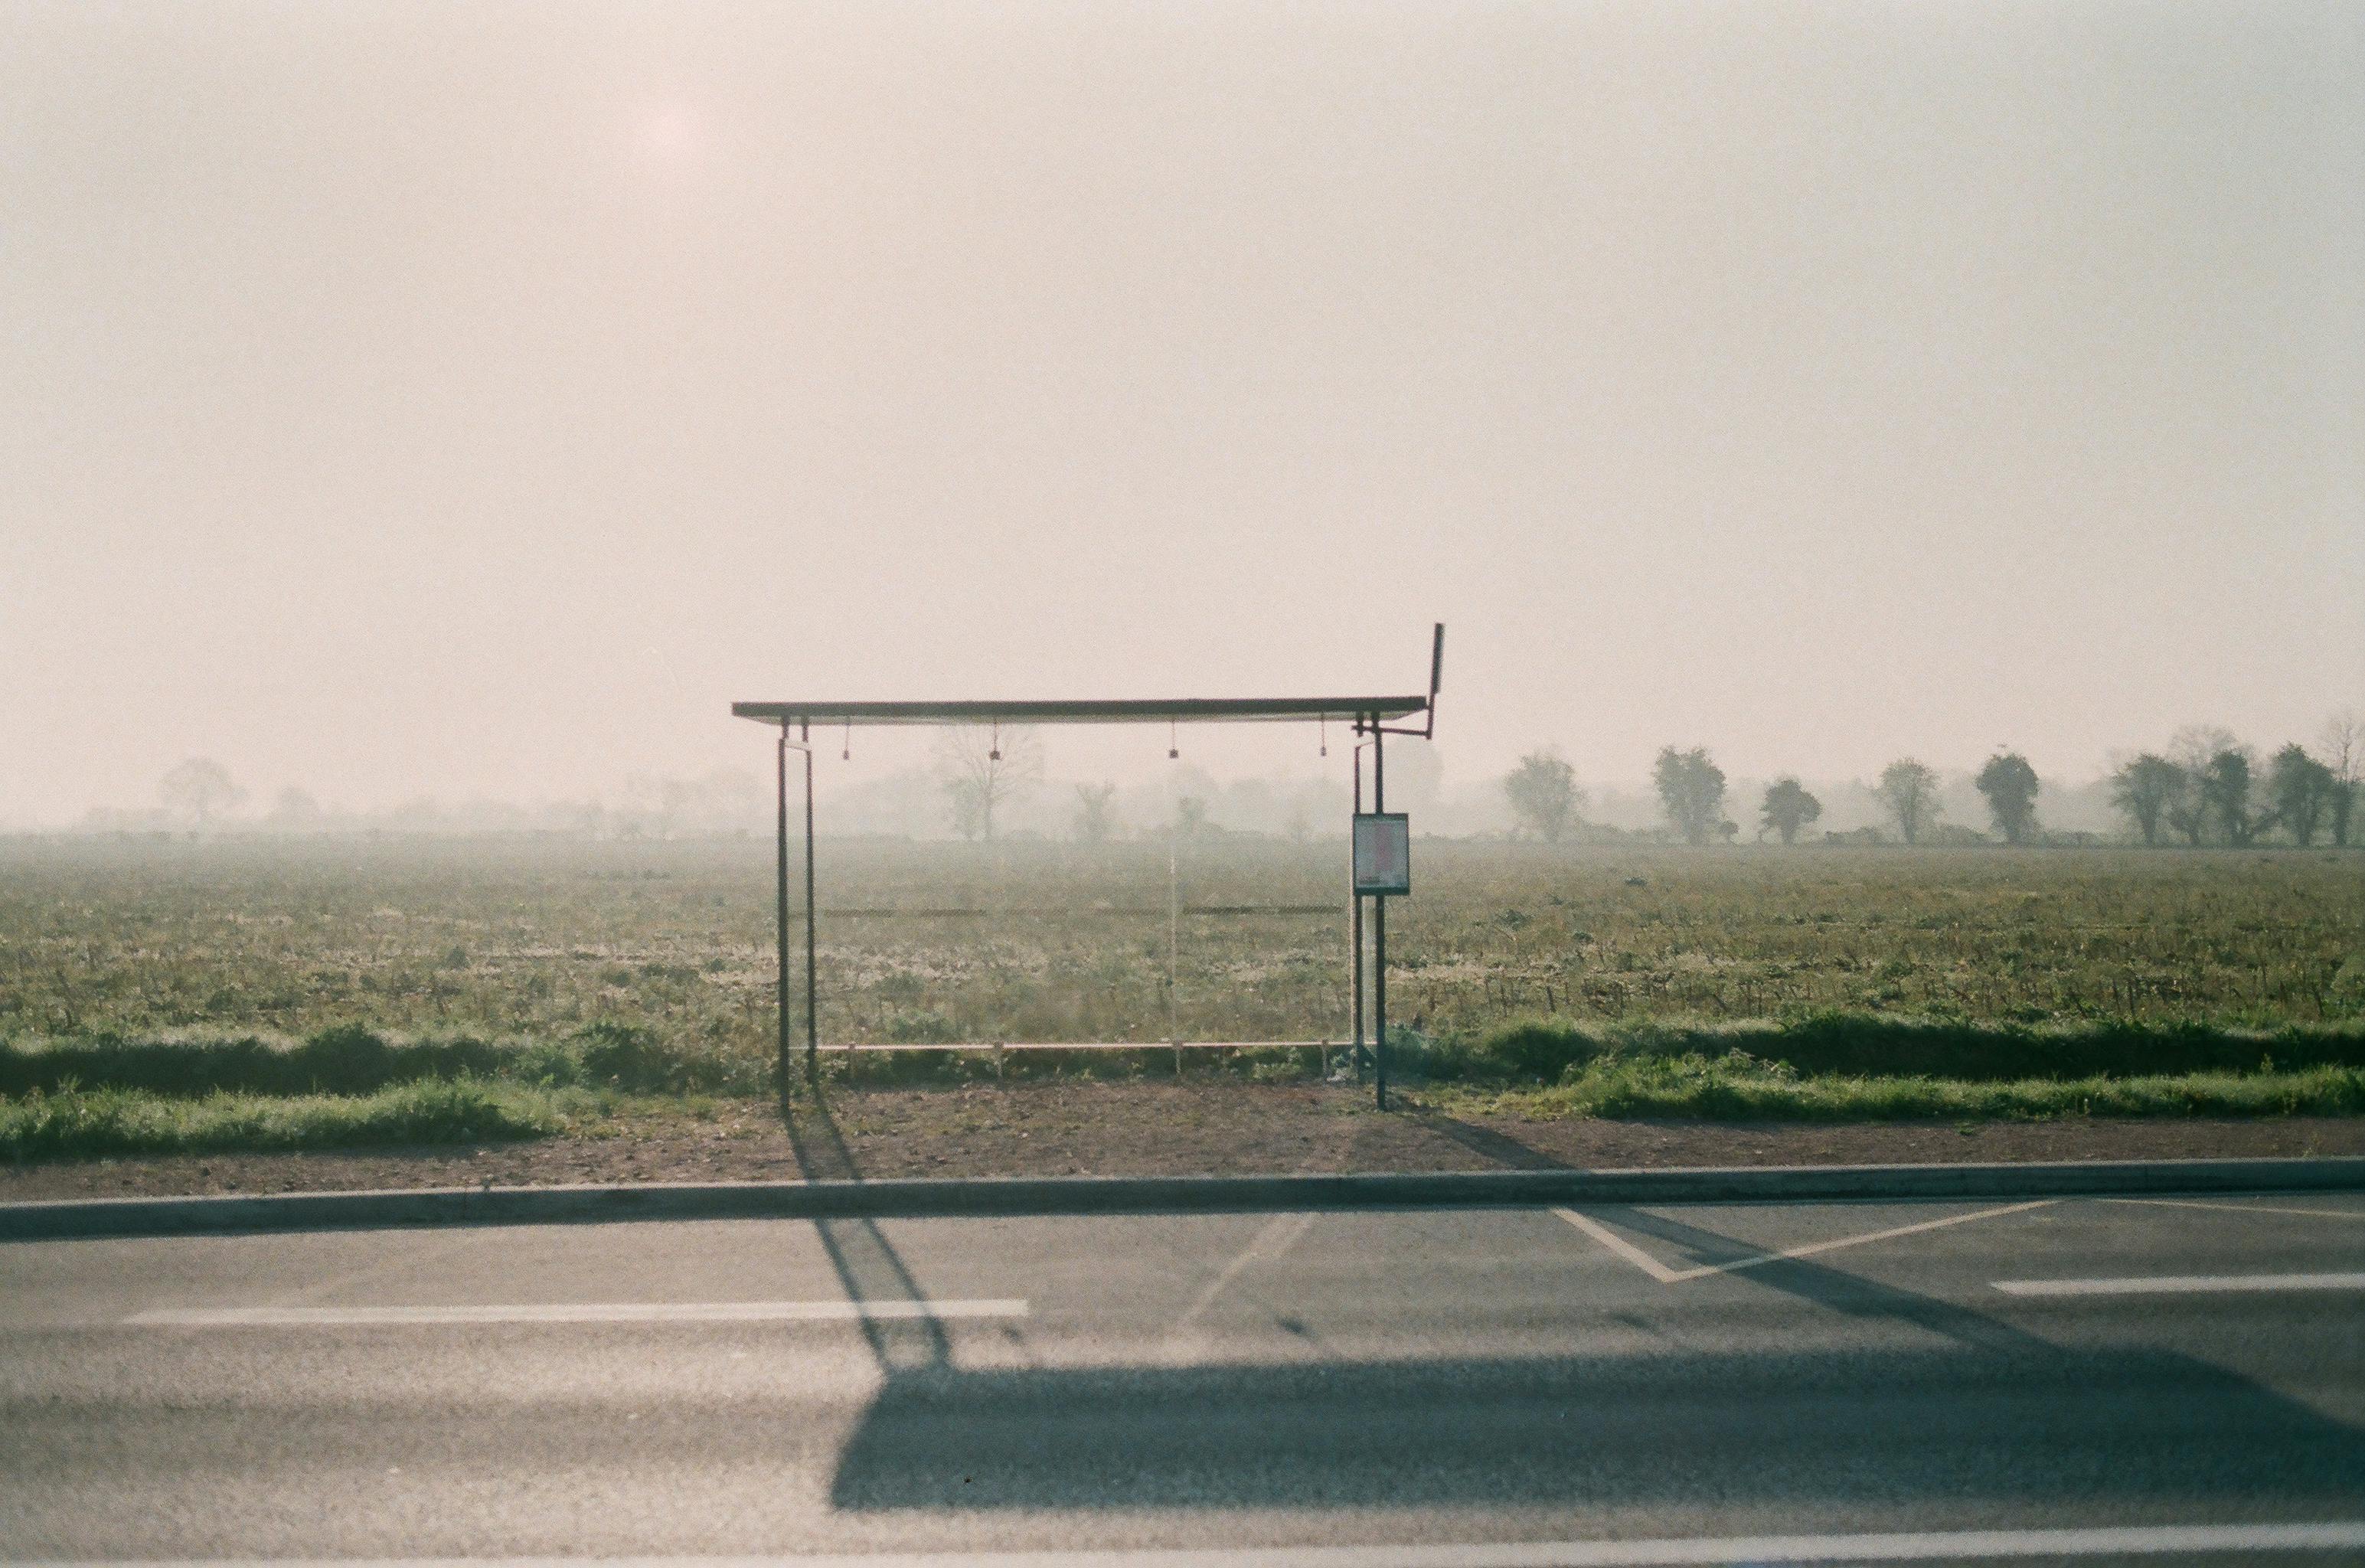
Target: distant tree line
(2206, 788)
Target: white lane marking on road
(1986, 1545)
(1667, 1276)
(2240, 1209)
(1619, 1245)
(570, 1311)
(2183, 1284)
(1277, 1236)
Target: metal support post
(1379, 937)
(781, 913)
(1355, 897)
(812, 985)
(780, 905)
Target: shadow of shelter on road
(867, 1265)
(1973, 1416)
(1830, 1433)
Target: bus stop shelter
(1371, 718)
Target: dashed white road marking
(1667, 1276)
(1986, 1545)
(2240, 1209)
(1277, 1236)
(2183, 1284)
(570, 1311)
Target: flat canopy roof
(1122, 711)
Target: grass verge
(350, 1059)
(629, 1059)
(1870, 1045)
(85, 1124)
(1742, 1089)
(348, 1088)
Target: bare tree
(981, 768)
(1096, 819)
(2011, 786)
(1691, 790)
(1908, 788)
(2343, 754)
(199, 790)
(1788, 808)
(1543, 793)
(2144, 790)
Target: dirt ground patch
(1058, 1129)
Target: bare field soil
(926, 942)
(1053, 1129)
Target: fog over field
(467, 402)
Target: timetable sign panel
(1382, 854)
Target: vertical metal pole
(780, 903)
(1379, 936)
(1173, 945)
(812, 986)
(1356, 900)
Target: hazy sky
(474, 399)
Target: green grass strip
(1744, 1090)
(113, 1122)
(610, 1057)
(85, 1124)
(350, 1059)
(1861, 1045)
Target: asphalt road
(1378, 1386)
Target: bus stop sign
(1382, 854)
